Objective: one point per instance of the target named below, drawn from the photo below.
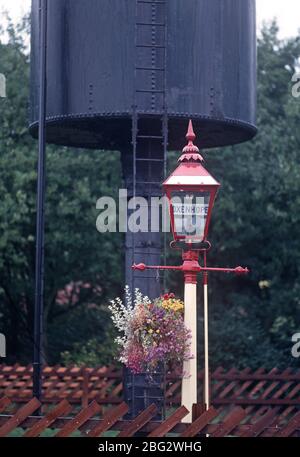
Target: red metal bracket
(190, 266)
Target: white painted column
(206, 357)
(189, 382)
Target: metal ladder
(149, 117)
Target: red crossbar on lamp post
(191, 192)
(191, 267)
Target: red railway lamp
(191, 192)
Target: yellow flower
(173, 304)
(150, 331)
(157, 331)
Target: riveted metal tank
(99, 71)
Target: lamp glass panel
(190, 211)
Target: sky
(286, 11)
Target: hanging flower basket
(152, 332)
(152, 340)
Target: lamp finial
(190, 151)
(190, 136)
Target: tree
(256, 220)
(77, 257)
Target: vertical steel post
(39, 266)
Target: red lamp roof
(190, 171)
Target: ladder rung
(143, 253)
(149, 397)
(149, 160)
(160, 46)
(153, 2)
(139, 246)
(150, 69)
(149, 91)
(147, 183)
(152, 24)
(151, 246)
(149, 277)
(151, 137)
(148, 252)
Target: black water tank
(92, 77)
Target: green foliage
(91, 354)
(75, 253)
(85, 338)
(256, 222)
(239, 340)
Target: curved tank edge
(247, 130)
